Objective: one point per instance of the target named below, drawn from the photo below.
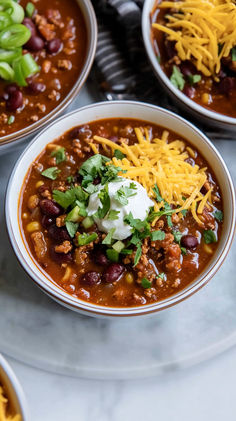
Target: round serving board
(36, 330)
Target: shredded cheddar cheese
(164, 164)
(4, 416)
(204, 31)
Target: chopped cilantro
(113, 215)
(157, 193)
(161, 275)
(105, 201)
(146, 283)
(91, 188)
(85, 238)
(184, 212)
(126, 251)
(194, 79)
(51, 173)
(177, 78)
(67, 198)
(183, 250)
(70, 179)
(218, 215)
(233, 54)
(59, 154)
(136, 223)
(71, 228)
(169, 221)
(109, 237)
(118, 154)
(138, 254)
(209, 237)
(95, 166)
(157, 235)
(177, 236)
(124, 192)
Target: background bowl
(14, 139)
(13, 389)
(125, 109)
(202, 114)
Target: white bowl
(201, 113)
(123, 109)
(14, 139)
(13, 389)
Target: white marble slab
(39, 332)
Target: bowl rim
(93, 309)
(16, 386)
(88, 12)
(163, 78)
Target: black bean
(54, 46)
(90, 279)
(35, 43)
(60, 257)
(58, 234)
(14, 101)
(113, 272)
(226, 85)
(50, 208)
(100, 258)
(36, 87)
(47, 221)
(189, 241)
(30, 25)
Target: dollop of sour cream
(138, 204)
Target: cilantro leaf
(177, 78)
(113, 215)
(59, 154)
(169, 221)
(177, 236)
(194, 79)
(184, 212)
(157, 235)
(110, 173)
(124, 192)
(105, 201)
(64, 199)
(108, 238)
(146, 283)
(157, 193)
(71, 228)
(92, 165)
(138, 254)
(136, 223)
(209, 237)
(91, 188)
(233, 54)
(118, 154)
(183, 250)
(51, 173)
(161, 275)
(218, 215)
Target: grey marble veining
(36, 330)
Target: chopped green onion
(19, 76)
(28, 65)
(112, 255)
(118, 246)
(6, 71)
(9, 55)
(11, 119)
(84, 239)
(14, 36)
(5, 20)
(29, 9)
(14, 10)
(87, 222)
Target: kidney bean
(60, 257)
(50, 208)
(90, 279)
(30, 25)
(100, 258)
(113, 272)
(36, 87)
(81, 133)
(35, 43)
(226, 85)
(47, 221)
(189, 241)
(12, 87)
(96, 180)
(170, 49)
(54, 46)
(189, 91)
(15, 100)
(58, 234)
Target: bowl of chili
(196, 65)
(13, 405)
(46, 52)
(122, 215)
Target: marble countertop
(203, 392)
